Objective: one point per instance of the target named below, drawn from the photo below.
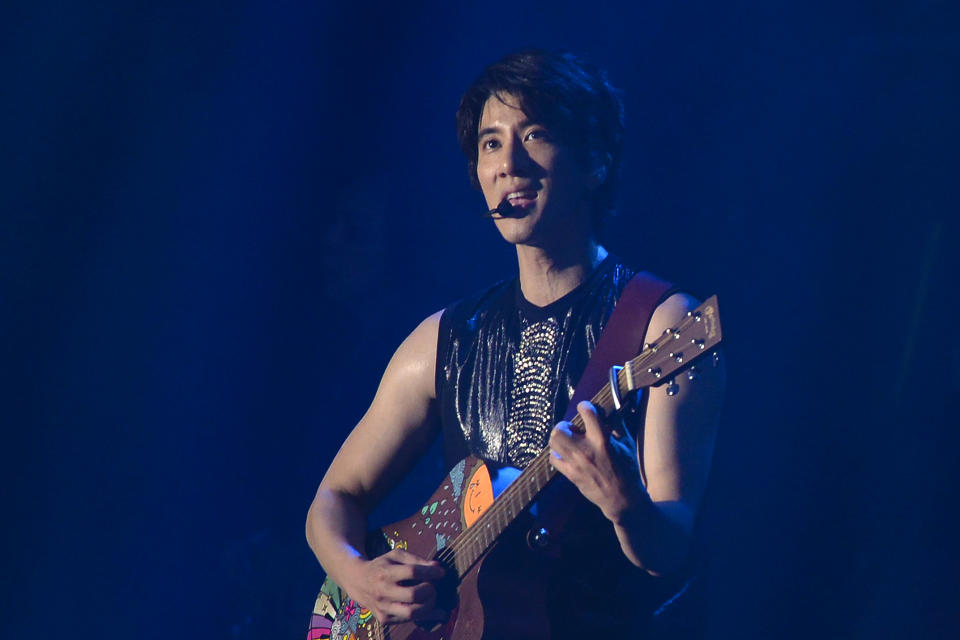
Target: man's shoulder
(619, 273)
(476, 305)
(623, 271)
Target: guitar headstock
(677, 348)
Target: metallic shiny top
(506, 369)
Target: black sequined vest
(506, 369)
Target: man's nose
(516, 160)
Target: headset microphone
(505, 209)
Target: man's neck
(548, 275)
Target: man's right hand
(398, 587)
(385, 445)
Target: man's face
(523, 162)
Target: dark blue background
(219, 220)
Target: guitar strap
(621, 340)
(623, 336)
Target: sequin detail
(482, 373)
(531, 395)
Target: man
(494, 373)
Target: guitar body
(495, 596)
(498, 597)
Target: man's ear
(599, 163)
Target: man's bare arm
(385, 444)
(653, 522)
(679, 436)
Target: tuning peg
(716, 358)
(678, 356)
(699, 343)
(672, 387)
(692, 372)
(655, 371)
(696, 315)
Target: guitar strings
(508, 499)
(538, 465)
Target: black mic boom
(505, 209)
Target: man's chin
(514, 231)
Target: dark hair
(565, 93)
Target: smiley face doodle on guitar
(478, 496)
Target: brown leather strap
(623, 336)
(622, 339)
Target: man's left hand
(602, 465)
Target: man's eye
(538, 134)
(490, 144)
